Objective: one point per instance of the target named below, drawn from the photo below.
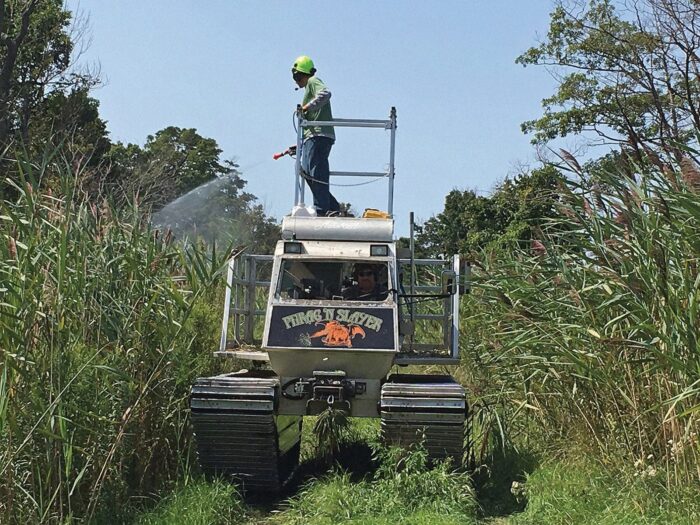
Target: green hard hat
(303, 64)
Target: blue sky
(223, 67)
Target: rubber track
(427, 409)
(238, 434)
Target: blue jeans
(314, 161)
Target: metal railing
(389, 124)
(447, 314)
(241, 289)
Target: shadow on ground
(354, 458)
(494, 482)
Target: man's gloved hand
(291, 151)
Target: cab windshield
(333, 280)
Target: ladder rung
(359, 174)
(348, 123)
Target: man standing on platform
(318, 140)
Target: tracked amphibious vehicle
(311, 339)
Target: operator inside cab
(366, 285)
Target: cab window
(333, 280)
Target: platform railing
(242, 286)
(389, 124)
(445, 313)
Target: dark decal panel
(321, 327)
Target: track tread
(427, 409)
(238, 433)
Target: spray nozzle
(291, 151)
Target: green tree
(171, 163)
(44, 100)
(71, 120)
(470, 222)
(185, 158)
(36, 44)
(181, 177)
(234, 215)
(221, 211)
(628, 73)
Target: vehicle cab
(332, 303)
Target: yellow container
(373, 213)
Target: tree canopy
(627, 72)
(38, 40)
(180, 175)
(470, 222)
(46, 108)
(172, 162)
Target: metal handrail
(359, 174)
(349, 123)
(449, 311)
(227, 303)
(389, 124)
(249, 283)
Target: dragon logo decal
(335, 333)
(302, 326)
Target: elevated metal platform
(387, 124)
(244, 355)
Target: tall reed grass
(103, 325)
(592, 332)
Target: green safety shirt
(318, 98)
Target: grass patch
(583, 491)
(201, 503)
(403, 489)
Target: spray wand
(291, 151)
